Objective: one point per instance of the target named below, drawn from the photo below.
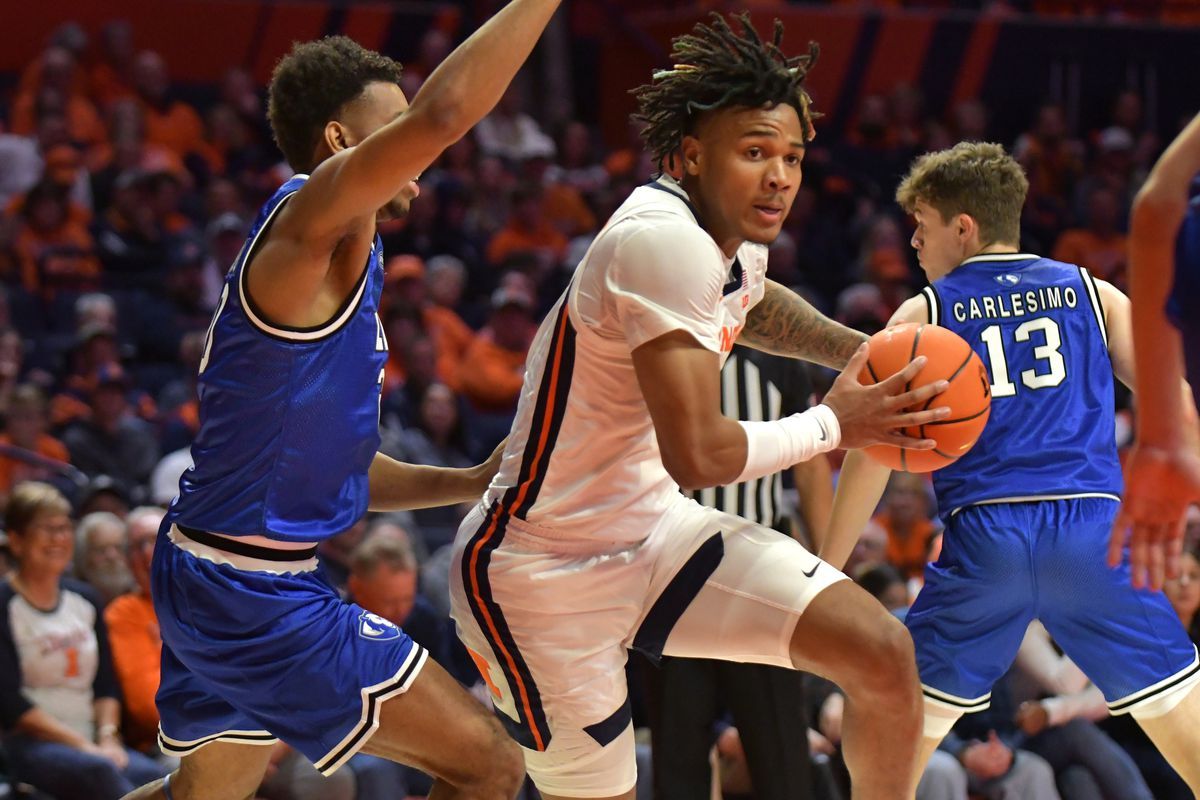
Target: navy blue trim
(496, 516)
(562, 391)
(520, 733)
(736, 280)
(613, 726)
(679, 594)
(695, 214)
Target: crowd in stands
(122, 205)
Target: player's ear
(690, 153)
(337, 138)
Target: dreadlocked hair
(714, 68)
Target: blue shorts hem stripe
(177, 748)
(1190, 673)
(967, 706)
(372, 697)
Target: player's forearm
(860, 486)
(1155, 341)
(814, 485)
(467, 85)
(397, 486)
(785, 324)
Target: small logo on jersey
(808, 573)
(729, 334)
(376, 628)
(1008, 279)
(745, 300)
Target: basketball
(969, 397)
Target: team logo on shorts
(376, 628)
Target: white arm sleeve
(774, 446)
(668, 278)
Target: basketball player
(255, 644)
(1164, 467)
(584, 545)
(1028, 510)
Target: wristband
(107, 729)
(775, 446)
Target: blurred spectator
(25, 425)
(101, 541)
(1112, 168)
(562, 205)
(862, 308)
(885, 583)
(969, 122)
(1053, 163)
(169, 121)
(334, 553)
(133, 631)
(57, 254)
(164, 481)
(493, 369)
(1098, 247)
(528, 232)
(103, 493)
(438, 439)
(56, 88)
(410, 290)
(113, 442)
(873, 152)
(907, 519)
(111, 74)
(133, 245)
(577, 164)
(510, 133)
(870, 550)
(127, 151)
(417, 359)
(60, 695)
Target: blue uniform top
(1038, 326)
(289, 417)
(1183, 307)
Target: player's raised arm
(785, 324)
(460, 92)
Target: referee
(767, 703)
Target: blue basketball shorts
(257, 648)
(1006, 564)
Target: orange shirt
(13, 471)
(491, 376)
(133, 634)
(178, 127)
(64, 259)
(510, 240)
(83, 122)
(567, 211)
(908, 553)
(1103, 256)
(451, 339)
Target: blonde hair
(29, 500)
(978, 179)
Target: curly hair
(311, 83)
(716, 68)
(975, 178)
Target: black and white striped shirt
(758, 387)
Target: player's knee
(888, 661)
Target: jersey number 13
(1051, 368)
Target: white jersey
(582, 458)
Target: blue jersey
(289, 417)
(1183, 307)
(1038, 326)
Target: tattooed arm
(785, 324)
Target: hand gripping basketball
(881, 413)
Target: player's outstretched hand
(487, 470)
(1160, 484)
(877, 414)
